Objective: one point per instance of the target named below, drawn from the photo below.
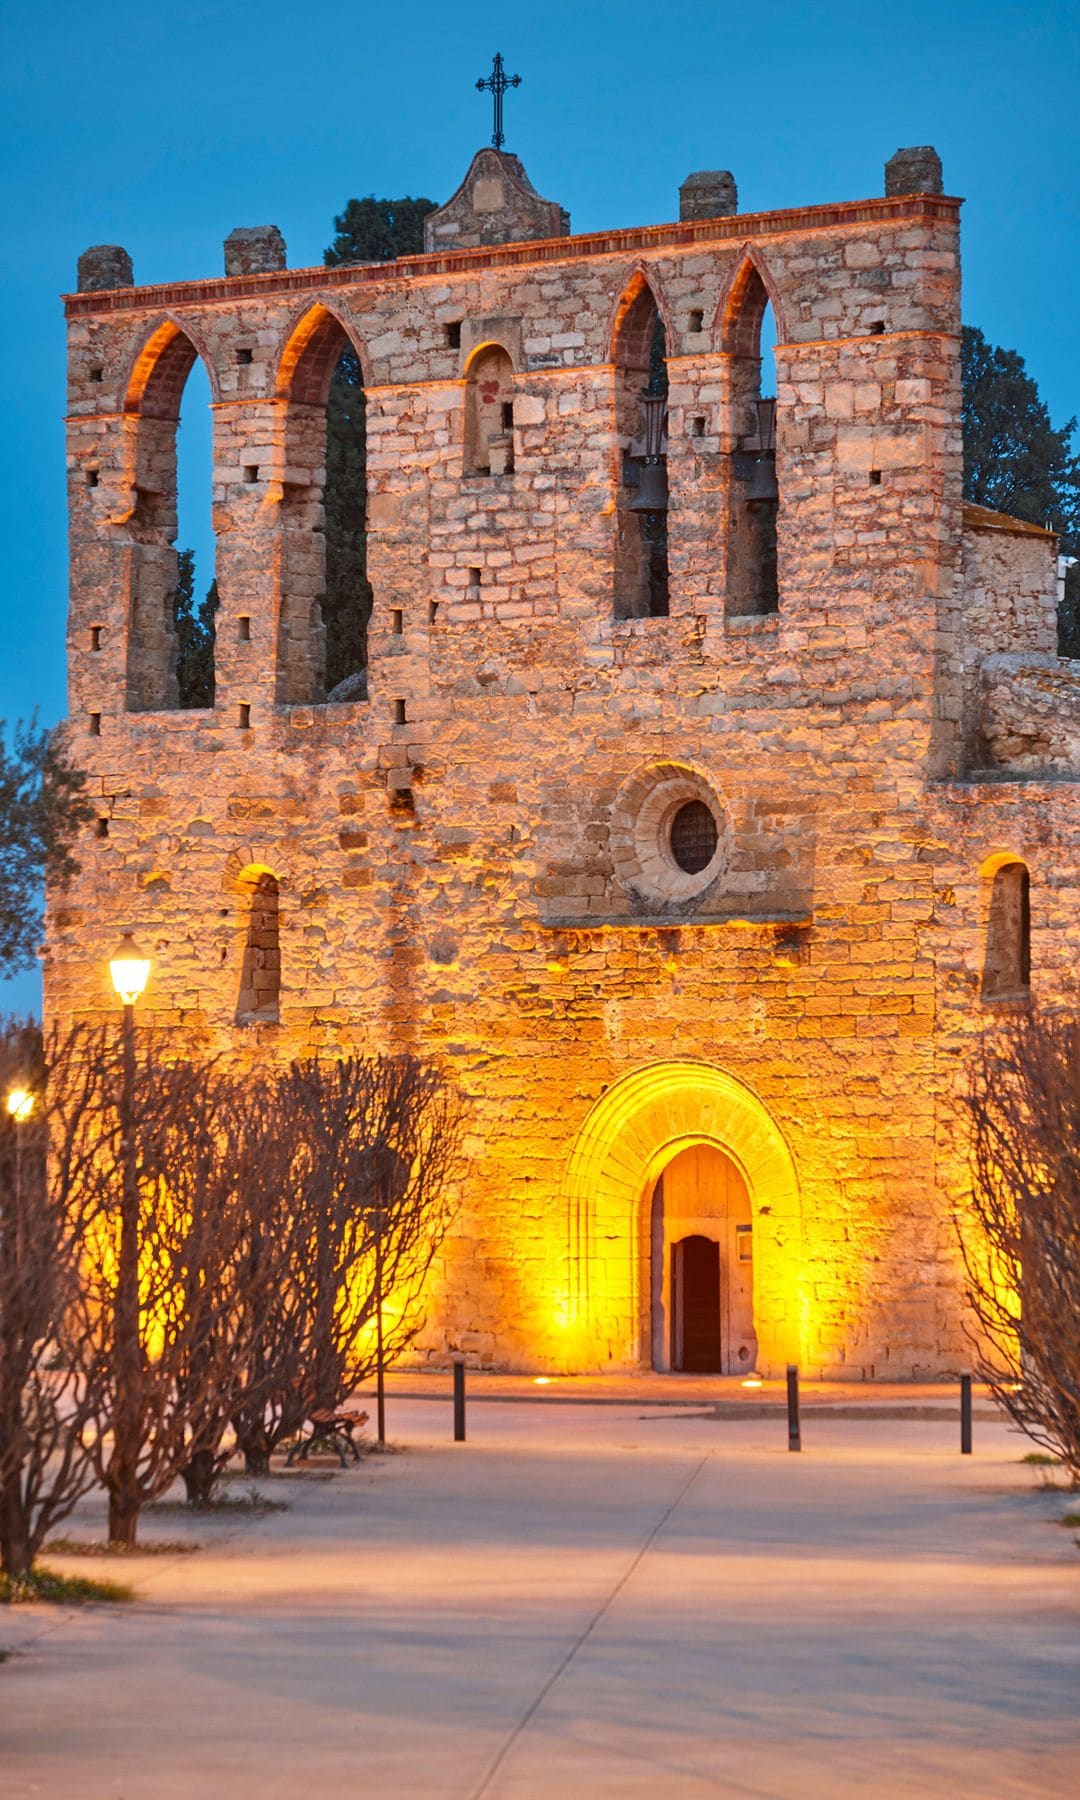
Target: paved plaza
(584, 1600)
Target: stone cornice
(928, 209)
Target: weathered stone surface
(254, 250)
(104, 266)
(914, 171)
(708, 194)
(495, 204)
(458, 858)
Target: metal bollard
(794, 1436)
(965, 1415)
(459, 1403)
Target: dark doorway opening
(695, 1312)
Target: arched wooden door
(702, 1250)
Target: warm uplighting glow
(542, 1381)
(130, 970)
(20, 1104)
(752, 1381)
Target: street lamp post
(129, 970)
(20, 1105)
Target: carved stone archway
(632, 1131)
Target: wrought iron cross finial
(498, 81)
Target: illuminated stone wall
(463, 860)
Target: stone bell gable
(495, 204)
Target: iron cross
(498, 81)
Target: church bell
(651, 493)
(763, 490)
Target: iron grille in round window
(694, 837)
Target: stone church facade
(713, 781)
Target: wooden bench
(333, 1430)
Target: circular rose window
(670, 835)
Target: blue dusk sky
(163, 127)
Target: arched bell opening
(701, 1260)
(749, 338)
(641, 398)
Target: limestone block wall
(464, 860)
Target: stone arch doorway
(625, 1143)
(701, 1266)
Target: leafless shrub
(47, 1404)
(1021, 1236)
(375, 1150)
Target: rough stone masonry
(714, 781)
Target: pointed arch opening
(641, 398)
(173, 597)
(489, 412)
(1006, 972)
(748, 336)
(325, 601)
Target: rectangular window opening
(103, 828)
(244, 628)
(244, 356)
(95, 637)
(95, 724)
(244, 721)
(92, 477)
(875, 478)
(453, 335)
(397, 619)
(697, 319)
(877, 328)
(432, 611)
(474, 577)
(251, 472)
(399, 712)
(697, 427)
(508, 415)
(97, 374)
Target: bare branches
(1021, 1243)
(46, 1403)
(183, 1251)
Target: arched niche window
(749, 339)
(641, 389)
(173, 598)
(489, 413)
(1007, 959)
(325, 600)
(260, 970)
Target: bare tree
(50, 1136)
(375, 1156)
(156, 1375)
(1021, 1236)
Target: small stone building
(713, 780)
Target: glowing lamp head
(130, 970)
(20, 1104)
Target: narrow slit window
(95, 637)
(399, 712)
(244, 721)
(397, 618)
(260, 975)
(103, 828)
(92, 477)
(697, 319)
(244, 628)
(95, 724)
(1007, 964)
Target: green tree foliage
(371, 230)
(1017, 462)
(195, 630)
(41, 810)
(368, 230)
